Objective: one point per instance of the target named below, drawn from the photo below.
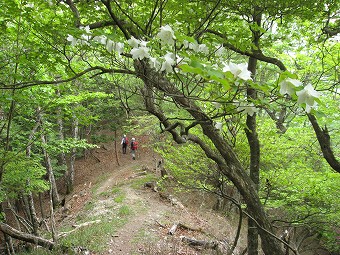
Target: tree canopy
(252, 85)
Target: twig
(76, 227)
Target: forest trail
(149, 215)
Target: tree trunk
(253, 141)
(25, 206)
(116, 151)
(70, 167)
(42, 213)
(53, 228)
(61, 156)
(33, 214)
(49, 168)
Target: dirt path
(151, 211)
(146, 228)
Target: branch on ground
(7, 229)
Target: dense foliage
(250, 89)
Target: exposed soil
(153, 213)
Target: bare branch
(103, 70)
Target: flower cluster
(307, 95)
(85, 38)
(166, 36)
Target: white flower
(218, 125)
(193, 46)
(287, 86)
(216, 105)
(166, 35)
(240, 70)
(310, 107)
(307, 95)
(220, 50)
(119, 47)
(169, 62)
(71, 39)
(97, 38)
(85, 37)
(185, 44)
(225, 68)
(249, 109)
(143, 43)
(140, 53)
(87, 29)
(101, 39)
(335, 38)
(203, 48)
(133, 42)
(110, 45)
(154, 63)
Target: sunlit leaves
(23, 175)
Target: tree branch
(103, 70)
(325, 143)
(115, 19)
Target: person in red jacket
(133, 146)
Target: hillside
(112, 211)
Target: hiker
(124, 143)
(134, 146)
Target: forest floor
(132, 218)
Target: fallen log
(7, 229)
(174, 227)
(181, 225)
(202, 243)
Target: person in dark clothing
(124, 143)
(133, 146)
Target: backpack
(126, 141)
(134, 145)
